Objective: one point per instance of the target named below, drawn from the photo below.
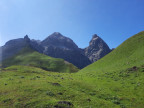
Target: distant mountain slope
(29, 57)
(13, 46)
(58, 46)
(58, 40)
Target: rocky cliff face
(97, 49)
(58, 46)
(58, 40)
(13, 46)
(36, 45)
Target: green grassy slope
(120, 74)
(29, 57)
(130, 53)
(115, 81)
(31, 87)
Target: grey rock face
(73, 56)
(58, 40)
(13, 46)
(59, 46)
(27, 39)
(35, 44)
(97, 49)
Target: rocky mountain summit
(58, 40)
(97, 49)
(58, 46)
(13, 46)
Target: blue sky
(113, 20)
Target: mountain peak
(26, 38)
(95, 39)
(97, 48)
(95, 36)
(58, 40)
(56, 34)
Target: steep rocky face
(59, 46)
(13, 46)
(97, 49)
(36, 45)
(58, 40)
(73, 56)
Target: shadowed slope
(29, 57)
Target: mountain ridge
(58, 46)
(115, 81)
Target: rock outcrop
(59, 46)
(13, 46)
(97, 49)
(58, 40)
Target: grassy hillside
(31, 87)
(29, 57)
(115, 81)
(120, 74)
(129, 53)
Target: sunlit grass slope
(115, 81)
(31, 87)
(29, 57)
(119, 76)
(129, 53)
